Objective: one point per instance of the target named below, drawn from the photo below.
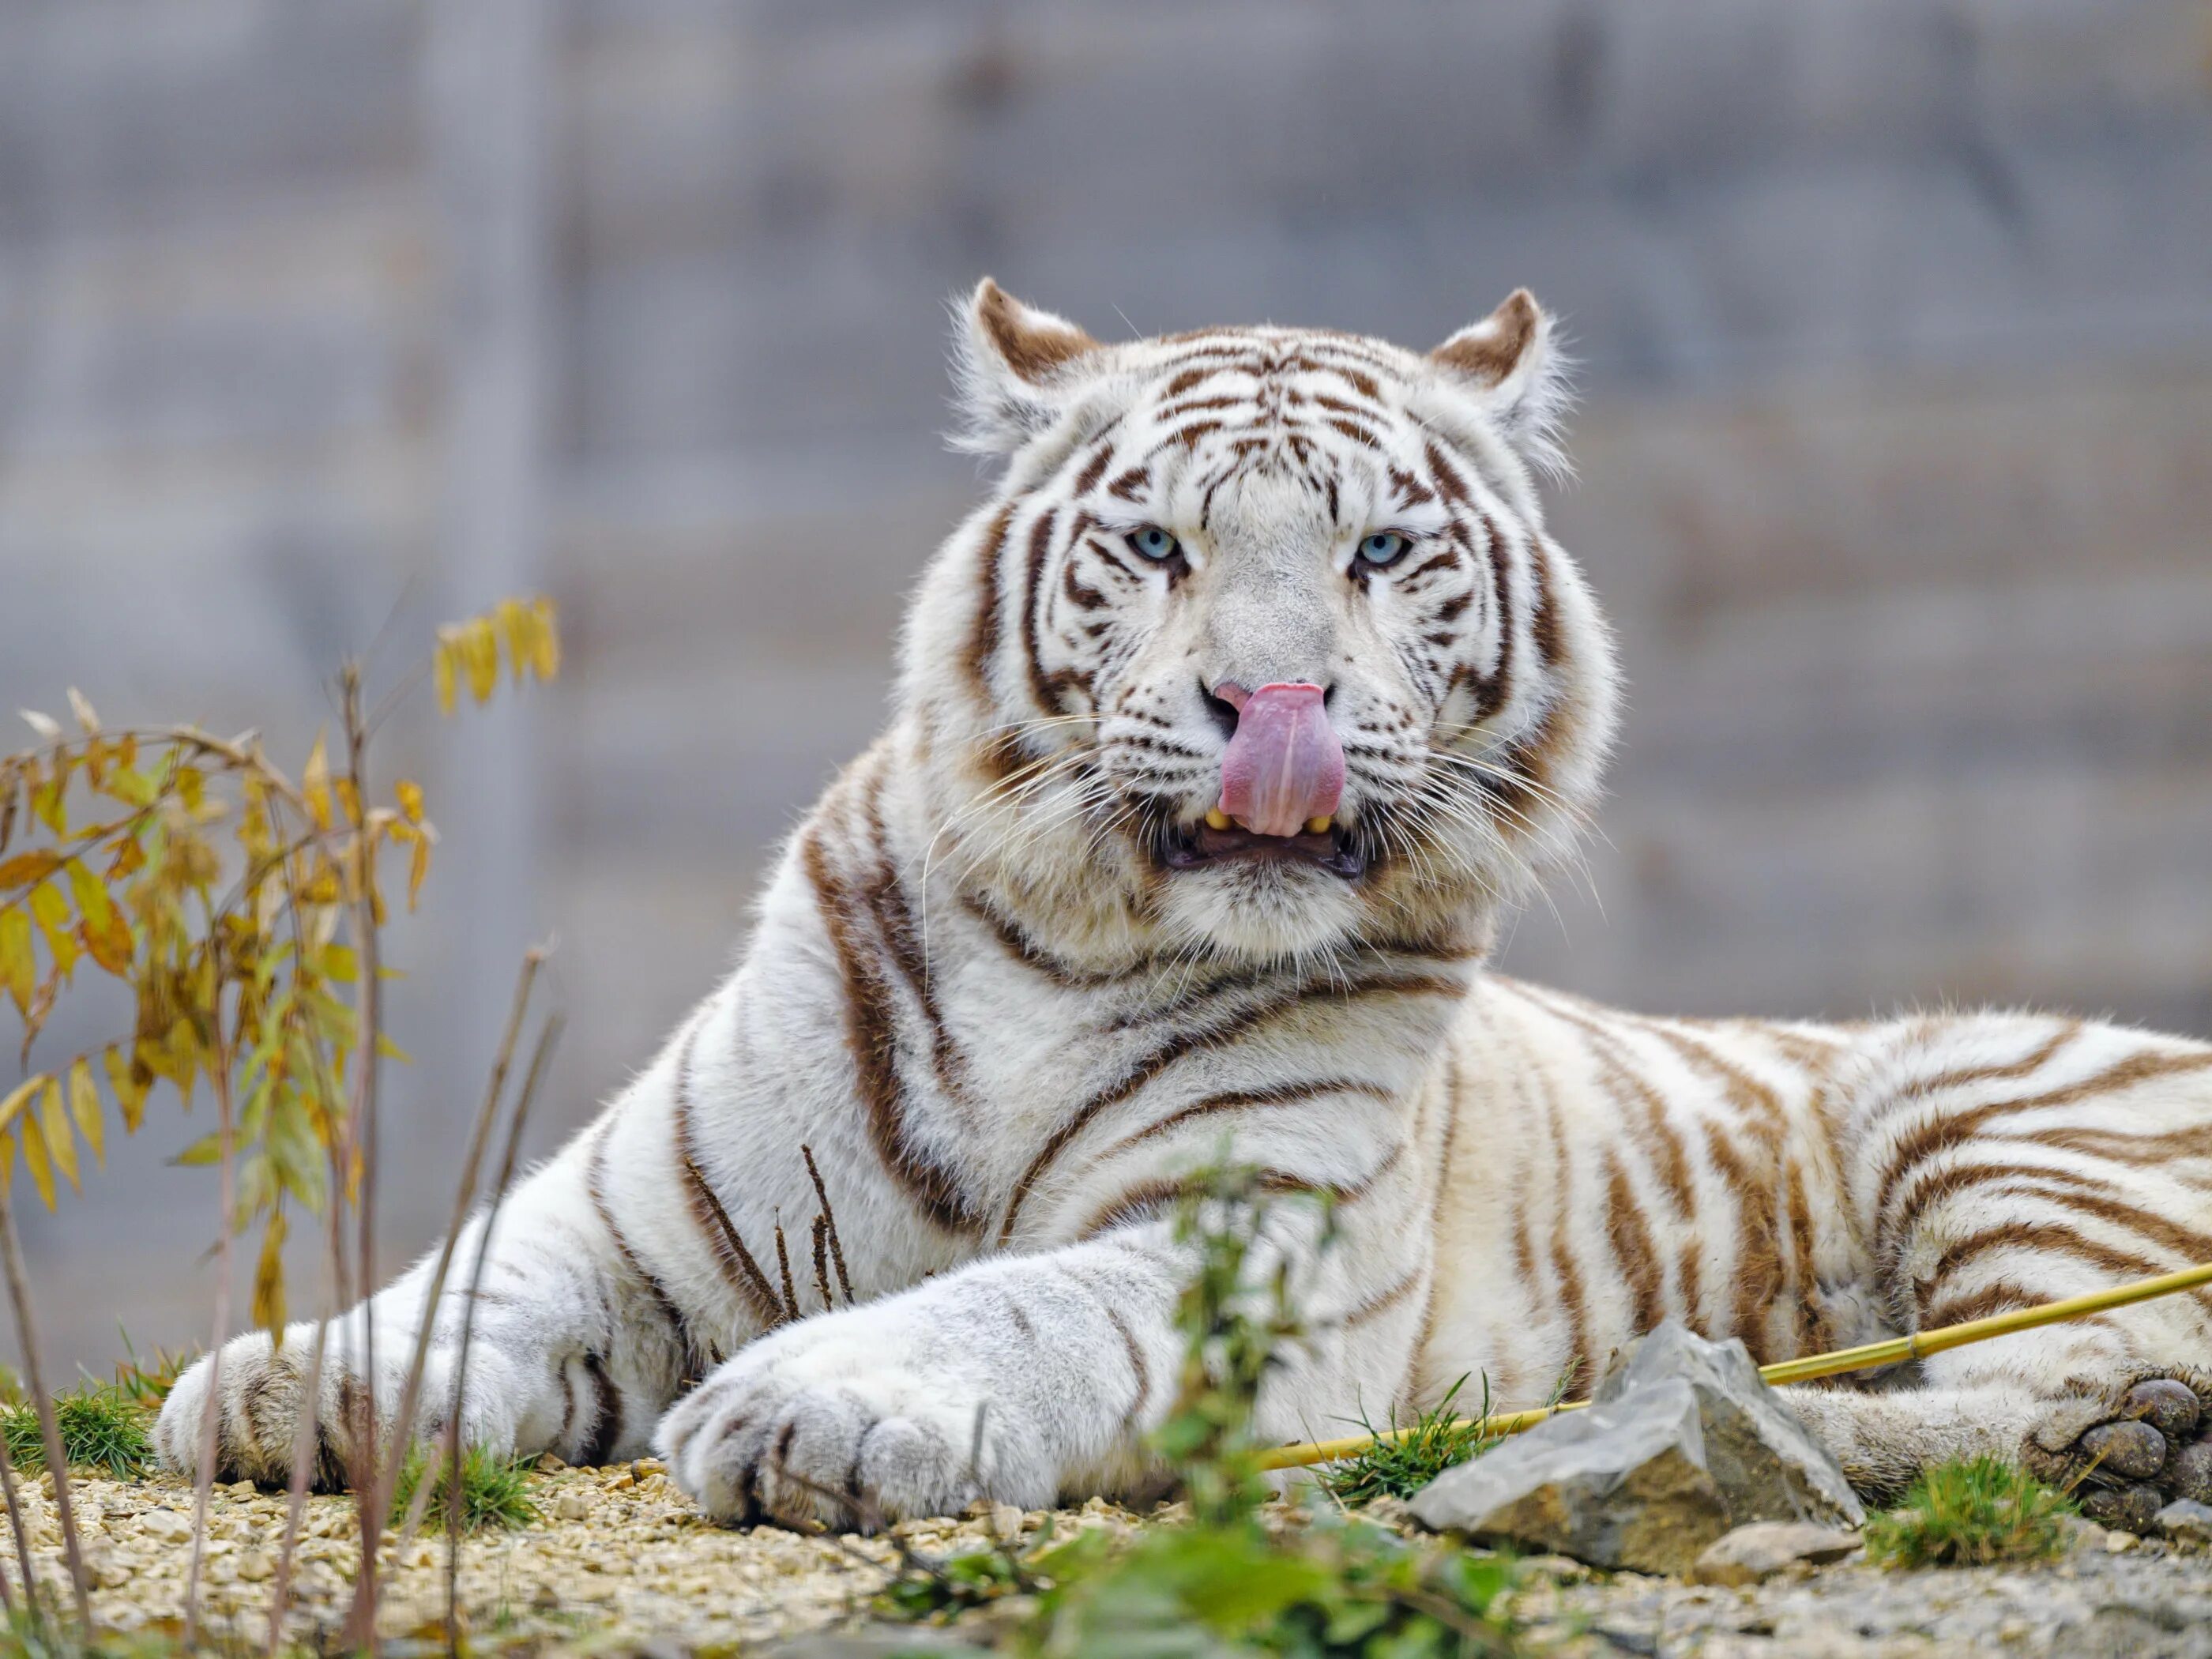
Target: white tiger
(1226, 728)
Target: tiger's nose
(1283, 772)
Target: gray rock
(1768, 1464)
(2186, 1521)
(1621, 1485)
(1682, 1443)
(1762, 1549)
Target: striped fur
(1008, 1029)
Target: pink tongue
(1284, 764)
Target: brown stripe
(885, 890)
(1281, 1095)
(2127, 1147)
(697, 1359)
(1563, 1261)
(1633, 1248)
(2046, 1235)
(606, 1420)
(1043, 688)
(2181, 1240)
(983, 634)
(1148, 1198)
(1195, 1041)
(1758, 1277)
(1810, 1327)
(1024, 950)
(1924, 1191)
(2028, 1064)
(872, 1037)
(1141, 1371)
(739, 1270)
(1383, 1301)
(1942, 1133)
(1094, 468)
(1994, 1298)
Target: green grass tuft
(1970, 1513)
(101, 1428)
(1426, 1448)
(495, 1490)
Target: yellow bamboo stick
(1916, 1345)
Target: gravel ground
(620, 1561)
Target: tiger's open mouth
(1194, 847)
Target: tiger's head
(1258, 649)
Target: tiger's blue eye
(1154, 543)
(1385, 547)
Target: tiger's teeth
(1216, 818)
(1318, 826)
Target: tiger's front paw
(2131, 1451)
(841, 1423)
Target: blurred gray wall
(320, 323)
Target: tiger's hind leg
(2004, 1162)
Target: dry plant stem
(23, 1540)
(373, 1501)
(295, 1504)
(828, 1222)
(737, 1255)
(377, 1490)
(540, 1057)
(49, 1433)
(211, 1413)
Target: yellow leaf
(483, 659)
(183, 1054)
(83, 711)
(516, 622)
(129, 860)
(54, 1120)
(269, 1276)
(315, 783)
(410, 800)
(340, 964)
(191, 786)
(417, 868)
(18, 1098)
(27, 867)
(35, 1159)
(545, 660)
(130, 1083)
(441, 668)
(7, 1158)
(51, 911)
(19, 970)
(84, 1109)
(349, 799)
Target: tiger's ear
(1509, 363)
(1016, 368)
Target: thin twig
(822, 1260)
(49, 1433)
(734, 1245)
(211, 1413)
(378, 1491)
(305, 1435)
(374, 1499)
(783, 1267)
(829, 1226)
(548, 1035)
(22, 1537)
